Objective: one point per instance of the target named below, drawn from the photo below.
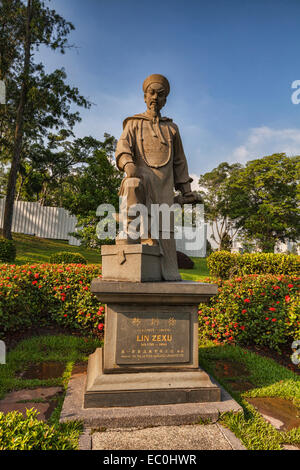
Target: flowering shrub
(253, 309)
(46, 293)
(225, 264)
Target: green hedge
(253, 309)
(224, 264)
(7, 251)
(67, 257)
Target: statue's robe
(155, 147)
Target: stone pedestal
(135, 263)
(150, 353)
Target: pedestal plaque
(153, 337)
(150, 353)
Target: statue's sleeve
(125, 146)
(182, 180)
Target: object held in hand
(188, 198)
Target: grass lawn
(198, 273)
(38, 250)
(20, 434)
(267, 379)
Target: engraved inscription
(157, 338)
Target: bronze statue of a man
(150, 152)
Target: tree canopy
(260, 199)
(38, 103)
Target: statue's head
(156, 89)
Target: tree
(263, 199)
(216, 203)
(96, 181)
(37, 102)
(45, 168)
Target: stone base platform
(141, 416)
(146, 388)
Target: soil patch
(241, 386)
(228, 369)
(281, 413)
(235, 375)
(44, 370)
(79, 369)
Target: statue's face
(155, 97)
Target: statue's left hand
(191, 197)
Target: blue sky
(230, 64)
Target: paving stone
(26, 394)
(290, 447)
(192, 437)
(44, 409)
(281, 413)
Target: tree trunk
(15, 163)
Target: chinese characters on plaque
(144, 337)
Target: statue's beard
(154, 109)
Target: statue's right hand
(130, 170)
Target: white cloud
(195, 186)
(262, 141)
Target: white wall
(32, 218)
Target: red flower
(287, 298)
(274, 319)
(290, 285)
(242, 327)
(244, 311)
(100, 326)
(36, 275)
(34, 282)
(272, 309)
(267, 318)
(247, 300)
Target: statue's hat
(157, 78)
